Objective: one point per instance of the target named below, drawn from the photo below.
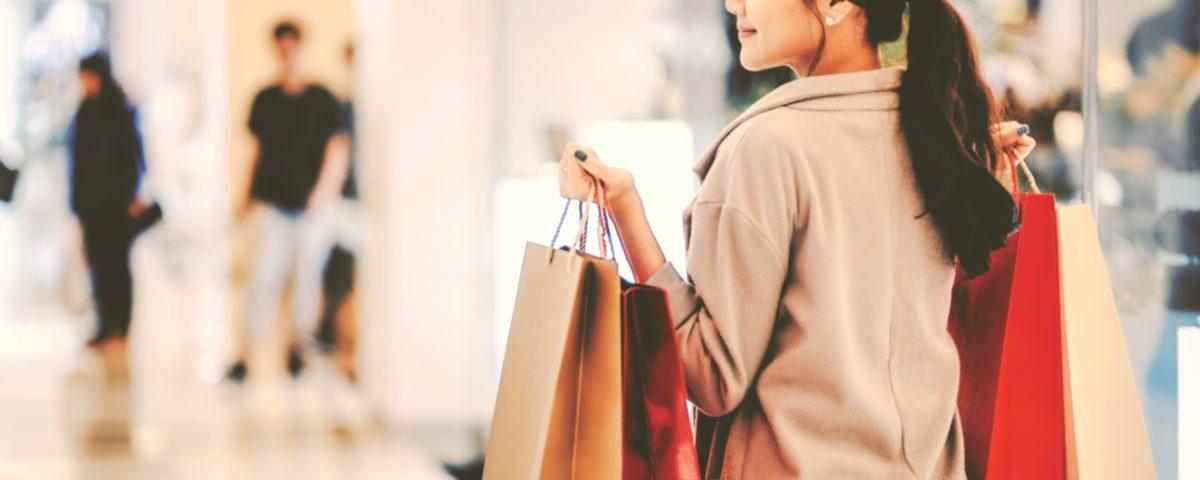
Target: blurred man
(106, 168)
(299, 167)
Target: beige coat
(814, 315)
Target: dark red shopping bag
(1007, 324)
(657, 436)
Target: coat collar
(869, 90)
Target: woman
(822, 243)
(106, 167)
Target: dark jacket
(106, 157)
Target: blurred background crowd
(208, 311)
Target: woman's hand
(136, 208)
(576, 170)
(579, 165)
(1014, 143)
(1013, 140)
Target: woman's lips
(746, 32)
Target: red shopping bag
(657, 436)
(1007, 325)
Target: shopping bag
(657, 434)
(558, 410)
(1106, 436)
(1006, 324)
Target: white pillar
(1189, 401)
(424, 110)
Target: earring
(829, 21)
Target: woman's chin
(752, 63)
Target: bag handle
(600, 198)
(576, 247)
(1029, 176)
(608, 248)
(604, 221)
(598, 195)
(1013, 164)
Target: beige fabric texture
(815, 306)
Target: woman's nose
(736, 7)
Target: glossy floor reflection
(159, 409)
(70, 413)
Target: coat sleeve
(737, 262)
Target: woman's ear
(837, 11)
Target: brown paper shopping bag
(584, 440)
(1106, 436)
(558, 410)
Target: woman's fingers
(1006, 134)
(998, 128)
(1023, 146)
(590, 162)
(1013, 140)
(570, 174)
(578, 169)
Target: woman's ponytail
(946, 111)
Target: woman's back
(857, 374)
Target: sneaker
(237, 371)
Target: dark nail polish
(581, 155)
(1022, 130)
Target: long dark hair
(111, 98)
(946, 112)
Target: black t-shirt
(292, 131)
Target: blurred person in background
(823, 242)
(299, 168)
(106, 166)
(336, 329)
